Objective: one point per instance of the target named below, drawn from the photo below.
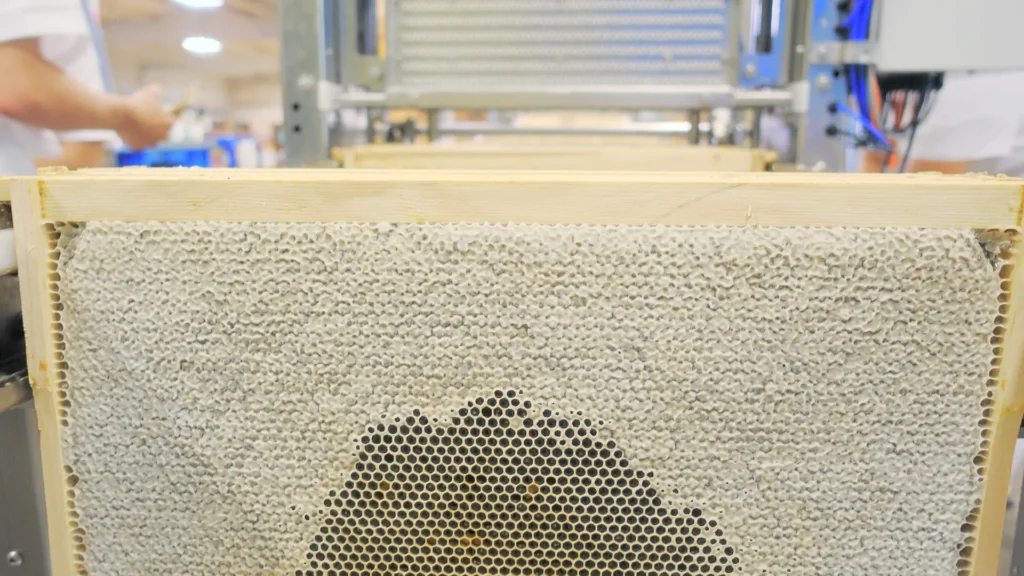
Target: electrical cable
(876, 102)
(906, 151)
(885, 161)
(866, 123)
(860, 32)
(929, 103)
(858, 139)
(895, 104)
(856, 26)
(899, 101)
(858, 78)
(913, 132)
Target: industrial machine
(845, 73)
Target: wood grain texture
(637, 198)
(33, 249)
(489, 157)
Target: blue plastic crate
(228, 150)
(165, 157)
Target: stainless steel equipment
(677, 55)
(673, 55)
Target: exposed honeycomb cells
(826, 397)
(502, 489)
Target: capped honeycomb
(328, 399)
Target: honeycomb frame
(45, 204)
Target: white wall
(254, 100)
(257, 102)
(209, 91)
(255, 91)
(262, 121)
(179, 86)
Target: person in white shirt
(38, 95)
(975, 125)
(84, 59)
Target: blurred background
(822, 85)
(218, 63)
(220, 59)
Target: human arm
(75, 155)
(872, 161)
(38, 93)
(945, 167)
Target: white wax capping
(817, 394)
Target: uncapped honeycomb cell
(333, 399)
(501, 488)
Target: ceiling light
(202, 45)
(199, 4)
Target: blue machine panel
(765, 68)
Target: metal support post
(767, 40)
(694, 127)
(822, 87)
(303, 69)
(432, 127)
(23, 545)
(755, 127)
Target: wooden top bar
(548, 197)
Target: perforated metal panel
(512, 44)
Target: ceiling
(145, 35)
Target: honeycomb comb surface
(819, 394)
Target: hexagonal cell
(502, 486)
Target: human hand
(145, 121)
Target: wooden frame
(549, 157)
(928, 201)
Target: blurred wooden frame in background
(641, 157)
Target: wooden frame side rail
(804, 200)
